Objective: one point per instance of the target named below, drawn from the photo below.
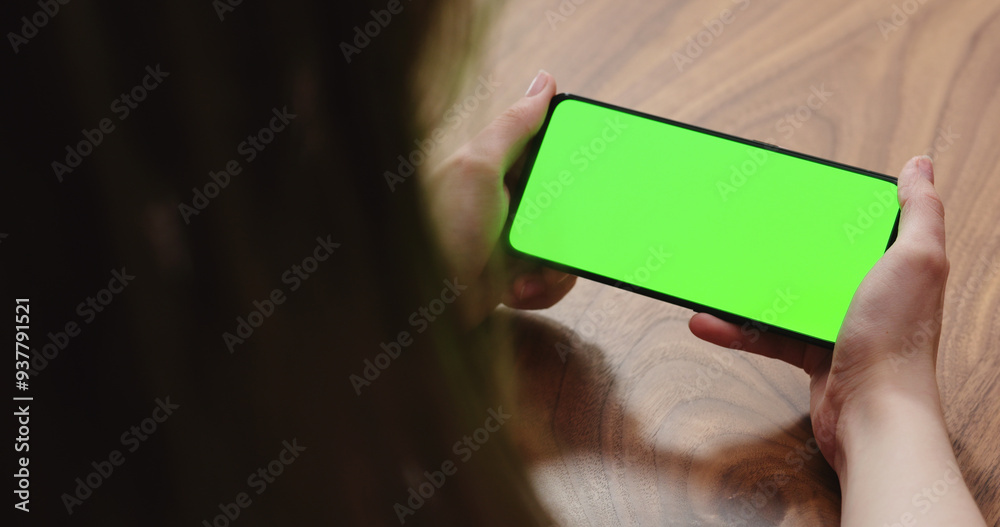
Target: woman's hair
(273, 271)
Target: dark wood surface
(625, 417)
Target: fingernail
(529, 289)
(539, 84)
(925, 165)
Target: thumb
(503, 140)
(921, 221)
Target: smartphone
(755, 234)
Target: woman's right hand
(874, 402)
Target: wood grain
(627, 418)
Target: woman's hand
(875, 405)
(468, 200)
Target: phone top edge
(564, 96)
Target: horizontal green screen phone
(744, 230)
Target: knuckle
(933, 203)
(931, 260)
(471, 162)
(517, 118)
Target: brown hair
(316, 188)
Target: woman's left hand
(468, 201)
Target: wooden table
(625, 417)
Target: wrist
(897, 419)
(896, 464)
(877, 397)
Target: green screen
(707, 220)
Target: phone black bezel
(531, 153)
